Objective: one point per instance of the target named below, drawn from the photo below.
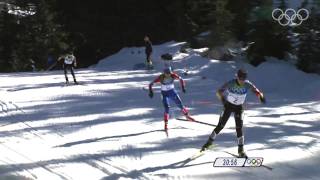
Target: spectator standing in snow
(148, 50)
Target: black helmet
(242, 74)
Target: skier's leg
(166, 119)
(165, 102)
(177, 100)
(239, 124)
(72, 73)
(225, 114)
(149, 62)
(65, 73)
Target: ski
(167, 133)
(196, 121)
(234, 155)
(193, 157)
(189, 118)
(196, 155)
(73, 84)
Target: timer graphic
(238, 162)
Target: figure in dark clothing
(69, 62)
(148, 50)
(233, 95)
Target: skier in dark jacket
(69, 62)
(148, 50)
(168, 92)
(233, 95)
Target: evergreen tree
(201, 13)
(241, 10)
(309, 43)
(270, 38)
(46, 34)
(29, 35)
(182, 23)
(213, 16)
(222, 25)
(8, 38)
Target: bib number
(236, 99)
(68, 60)
(167, 87)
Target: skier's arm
(149, 46)
(151, 84)
(157, 80)
(60, 58)
(182, 82)
(220, 91)
(75, 61)
(258, 93)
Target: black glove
(184, 90)
(262, 99)
(151, 94)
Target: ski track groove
(13, 164)
(32, 161)
(121, 169)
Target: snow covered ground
(108, 128)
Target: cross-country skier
(148, 51)
(233, 95)
(69, 62)
(168, 92)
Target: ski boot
(149, 65)
(186, 114)
(189, 118)
(166, 125)
(207, 145)
(241, 152)
(166, 119)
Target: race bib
(236, 99)
(68, 60)
(167, 87)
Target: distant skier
(168, 92)
(233, 95)
(69, 62)
(148, 51)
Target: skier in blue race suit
(168, 92)
(233, 95)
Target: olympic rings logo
(290, 16)
(254, 162)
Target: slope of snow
(108, 127)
